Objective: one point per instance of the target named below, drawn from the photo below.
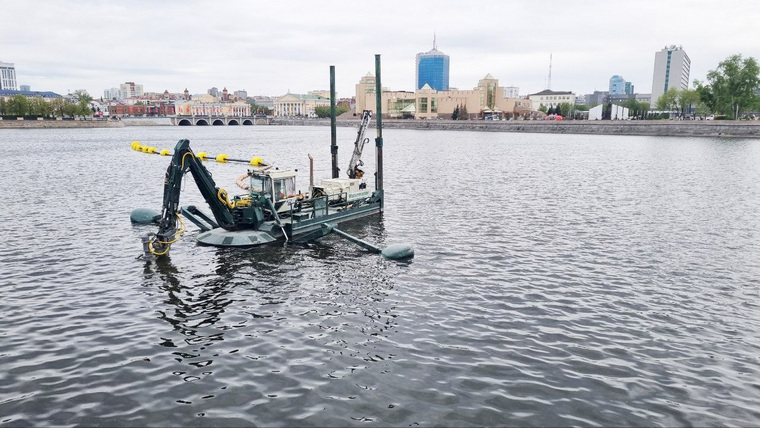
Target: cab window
(284, 188)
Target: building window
(434, 105)
(423, 105)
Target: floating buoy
(221, 158)
(144, 216)
(202, 156)
(398, 251)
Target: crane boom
(353, 167)
(183, 160)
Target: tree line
(21, 105)
(729, 91)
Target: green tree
(731, 86)
(83, 109)
(566, 109)
(3, 106)
(83, 100)
(542, 108)
(324, 111)
(455, 113)
(463, 115)
(667, 101)
(687, 101)
(70, 109)
(56, 106)
(39, 107)
(18, 105)
(81, 95)
(255, 108)
(701, 109)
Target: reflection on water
(299, 318)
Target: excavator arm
(356, 162)
(183, 160)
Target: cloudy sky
(270, 48)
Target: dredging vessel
(271, 211)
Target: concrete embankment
(97, 123)
(743, 129)
(656, 128)
(718, 128)
(38, 124)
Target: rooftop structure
(432, 68)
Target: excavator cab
(276, 185)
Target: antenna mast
(549, 82)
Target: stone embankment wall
(37, 124)
(720, 128)
(658, 128)
(717, 128)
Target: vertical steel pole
(333, 133)
(379, 125)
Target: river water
(558, 280)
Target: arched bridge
(218, 120)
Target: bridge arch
(247, 122)
(184, 122)
(218, 122)
(201, 122)
(233, 122)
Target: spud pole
(379, 125)
(333, 132)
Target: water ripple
(559, 280)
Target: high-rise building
(111, 94)
(7, 76)
(432, 68)
(130, 89)
(671, 70)
(617, 85)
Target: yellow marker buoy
(202, 156)
(221, 158)
(257, 161)
(164, 152)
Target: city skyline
(269, 49)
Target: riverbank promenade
(718, 128)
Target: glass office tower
(433, 69)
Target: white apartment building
(130, 89)
(111, 94)
(7, 76)
(671, 70)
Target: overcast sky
(270, 48)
